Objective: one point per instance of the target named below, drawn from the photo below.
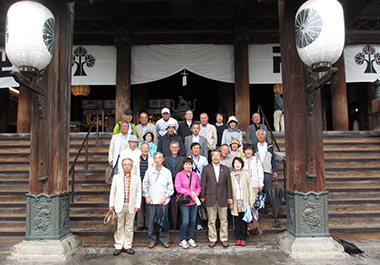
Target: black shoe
(140, 228)
(117, 252)
(129, 251)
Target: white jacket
(117, 193)
(113, 151)
(256, 171)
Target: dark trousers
(268, 182)
(240, 227)
(152, 234)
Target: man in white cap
(167, 139)
(161, 124)
(133, 153)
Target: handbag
(109, 175)
(182, 198)
(110, 222)
(253, 228)
(202, 211)
(162, 220)
(109, 172)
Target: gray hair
(174, 142)
(216, 151)
(127, 159)
(265, 133)
(158, 154)
(145, 143)
(124, 121)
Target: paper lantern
(29, 36)
(80, 90)
(320, 33)
(277, 87)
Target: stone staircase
(352, 179)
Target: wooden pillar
(339, 103)
(242, 100)
(24, 110)
(123, 74)
(306, 198)
(50, 135)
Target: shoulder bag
(182, 198)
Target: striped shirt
(127, 186)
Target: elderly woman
(149, 138)
(242, 195)
(188, 183)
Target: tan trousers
(124, 230)
(279, 120)
(222, 212)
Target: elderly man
(144, 126)
(225, 160)
(185, 127)
(161, 124)
(196, 138)
(264, 152)
(278, 114)
(125, 200)
(252, 129)
(157, 190)
(217, 195)
(132, 152)
(209, 132)
(118, 143)
(174, 163)
(127, 116)
(170, 136)
(146, 161)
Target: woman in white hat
(232, 132)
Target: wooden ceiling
(197, 21)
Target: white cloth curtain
(154, 62)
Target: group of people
(206, 162)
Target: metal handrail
(274, 140)
(72, 167)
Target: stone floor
(254, 253)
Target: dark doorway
(262, 95)
(204, 90)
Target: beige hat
(232, 118)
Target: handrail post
(102, 120)
(72, 183)
(97, 129)
(86, 161)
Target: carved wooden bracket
(22, 80)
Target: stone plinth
(46, 250)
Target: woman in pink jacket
(188, 211)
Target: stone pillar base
(46, 250)
(309, 247)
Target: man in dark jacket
(174, 163)
(185, 126)
(217, 195)
(253, 128)
(164, 142)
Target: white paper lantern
(320, 33)
(29, 36)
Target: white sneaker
(184, 244)
(192, 243)
(199, 227)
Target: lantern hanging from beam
(80, 90)
(320, 33)
(277, 87)
(29, 36)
